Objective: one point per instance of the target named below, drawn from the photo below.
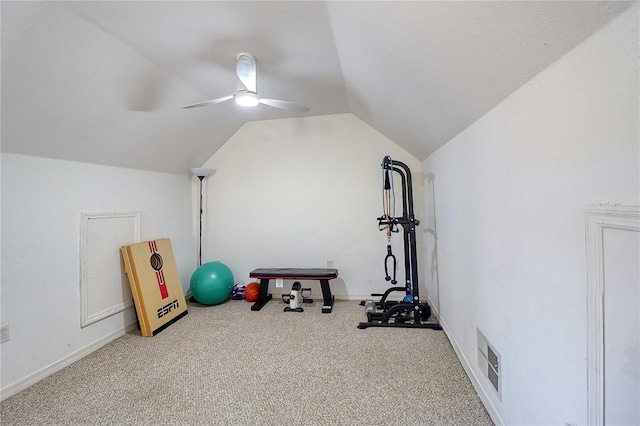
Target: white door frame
(597, 219)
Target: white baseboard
(32, 378)
(352, 296)
(358, 296)
(491, 409)
(317, 296)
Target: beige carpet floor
(227, 365)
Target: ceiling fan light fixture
(247, 99)
(247, 95)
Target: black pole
(200, 227)
(408, 223)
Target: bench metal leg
(328, 298)
(263, 295)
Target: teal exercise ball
(211, 283)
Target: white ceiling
(102, 82)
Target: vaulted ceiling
(102, 82)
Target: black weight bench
(321, 274)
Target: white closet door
(621, 306)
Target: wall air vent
(489, 363)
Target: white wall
(298, 192)
(510, 198)
(41, 204)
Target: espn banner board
(155, 285)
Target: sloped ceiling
(102, 82)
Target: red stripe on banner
(150, 247)
(155, 246)
(163, 291)
(161, 284)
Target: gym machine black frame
(411, 312)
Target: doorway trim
(598, 218)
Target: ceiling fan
(248, 97)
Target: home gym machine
(411, 311)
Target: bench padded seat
(295, 273)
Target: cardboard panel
(155, 284)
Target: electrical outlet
(329, 263)
(4, 333)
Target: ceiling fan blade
(246, 70)
(276, 103)
(210, 102)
